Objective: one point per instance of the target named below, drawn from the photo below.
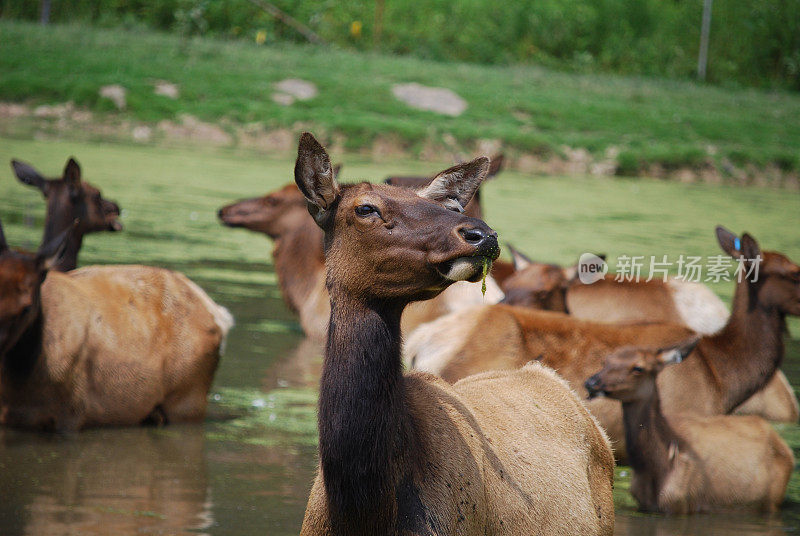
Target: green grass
(527, 108)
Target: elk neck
(56, 221)
(18, 362)
(299, 263)
(649, 438)
(745, 354)
(365, 427)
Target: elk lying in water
(300, 262)
(553, 288)
(113, 345)
(501, 453)
(723, 371)
(687, 463)
(69, 199)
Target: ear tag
(737, 243)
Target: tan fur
(507, 453)
(731, 463)
(119, 342)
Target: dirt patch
(433, 99)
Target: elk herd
(444, 408)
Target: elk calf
(504, 453)
(69, 199)
(103, 345)
(685, 463)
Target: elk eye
(637, 370)
(366, 210)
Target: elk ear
(520, 260)
(495, 165)
(314, 176)
(454, 187)
(729, 242)
(750, 248)
(72, 175)
(27, 175)
(677, 353)
(3, 243)
(50, 253)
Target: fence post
(702, 57)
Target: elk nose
(472, 235)
(592, 384)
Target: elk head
(629, 373)
(69, 199)
(391, 244)
(777, 285)
(537, 285)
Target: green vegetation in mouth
(487, 264)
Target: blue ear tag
(737, 243)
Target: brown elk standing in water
(550, 287)
(300, 261)
(724, 370)
(69, 199)
(686, 463)
(103, 345)
(502, 453)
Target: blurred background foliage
(753, 42)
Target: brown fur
(501, 453)
(724, 370)
(685, 463)
(300, 261)
(553, 288)
(115, 345)
(69, 199)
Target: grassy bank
(638, 123)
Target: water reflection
(118, 481)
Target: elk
(103, 345)
(69, 199)
(685, 463)
(500, 453)
(300, 262)
(553, 288)
(723, 371)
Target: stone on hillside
(293, 89)
(434, 99)
(116, 94)
(167, 89)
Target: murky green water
(248, 469)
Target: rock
(434, 99)
(299, 89)
(116, 94)
(283, 99)
(167, 89)
(142, 133)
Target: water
(248, 469)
